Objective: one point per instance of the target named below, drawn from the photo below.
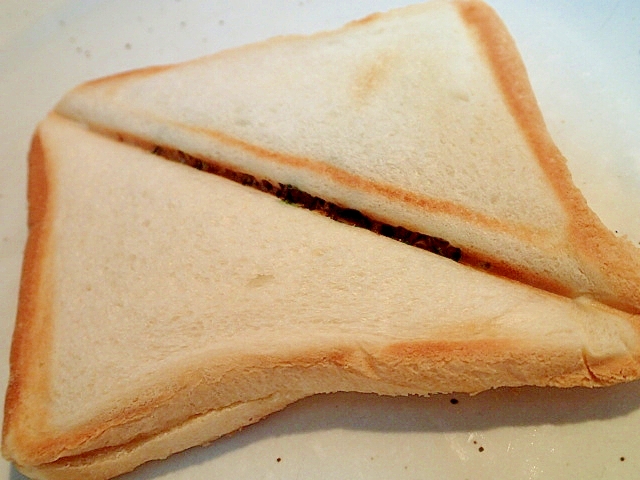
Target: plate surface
(584, 62)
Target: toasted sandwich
(162, 307)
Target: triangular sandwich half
(162, 307)
(422, 118)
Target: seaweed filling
(295, 196)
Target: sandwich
(163, 306)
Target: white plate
(584, 63)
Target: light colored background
(584, 62)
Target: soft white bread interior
(421, 117)
(162, 307)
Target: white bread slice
(162, 307)
(421, 117)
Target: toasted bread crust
(31, 343)
(613, 261)
(398, 369)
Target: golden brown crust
(425, 367)
(395, 369)
(608, 258)
(409, 367)
(28, 380)
(511, 76)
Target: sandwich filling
(295, 196)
